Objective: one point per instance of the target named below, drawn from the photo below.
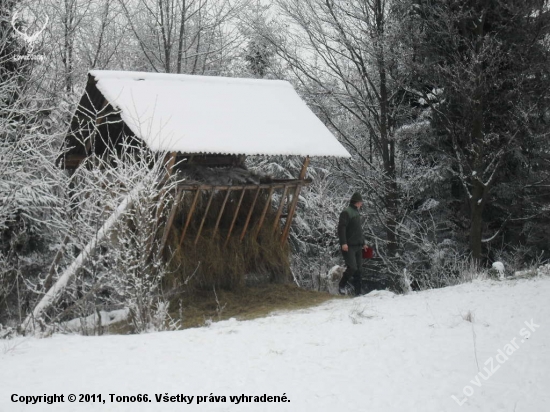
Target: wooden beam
(204, 217)
(190, 215)
(264, 212)
(292, 209)
(170, 161)
(266, 186)
(72, 161)
(280, 210)
(250, 213)
(303, 172)
(221, 213)
(170, 221)
(235, 217)
(290, 216)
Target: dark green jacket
(350, 231)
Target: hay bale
(210, 263)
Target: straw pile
(212, 263)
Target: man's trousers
(354, 260)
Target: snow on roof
(201, 114)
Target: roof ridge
(137, 76)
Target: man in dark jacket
(352, 242)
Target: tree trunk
(477, 205)
(478, 195)
(388, 146)
(391, 221)
(182, 35)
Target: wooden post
(235, 217)
(264, 212)
(292, 209)
(205, 216)
(280, 210)
(190, 215)
(303, 172)
(169, 161)
(170, 221)
(221, 213)
(250, 213)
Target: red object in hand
(368, 253)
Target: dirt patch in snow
(203, 308)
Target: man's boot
(343, 285)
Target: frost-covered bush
(32, 198)
(136, 265)
(125, 269)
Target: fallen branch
(69, 273)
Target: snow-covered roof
(202, 114)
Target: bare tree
(349, 61)
(183, 36)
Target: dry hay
(202, 306)
(212, 264)
(221, 176)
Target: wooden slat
(264, 212)
(280, 210)
(72, 161)
(221, 213)
(250, 214)
(190, 215)
(204, 217)
(235, 217)
(292, 209)
(169, 223)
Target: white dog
(330, 280)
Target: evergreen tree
(489, 59)
(259, 53)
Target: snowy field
(379, 352)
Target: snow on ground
(379, 352)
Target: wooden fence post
(292, 209)
(280, 209)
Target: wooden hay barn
(203, 128)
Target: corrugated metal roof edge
(255, 154)
(214, 78)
